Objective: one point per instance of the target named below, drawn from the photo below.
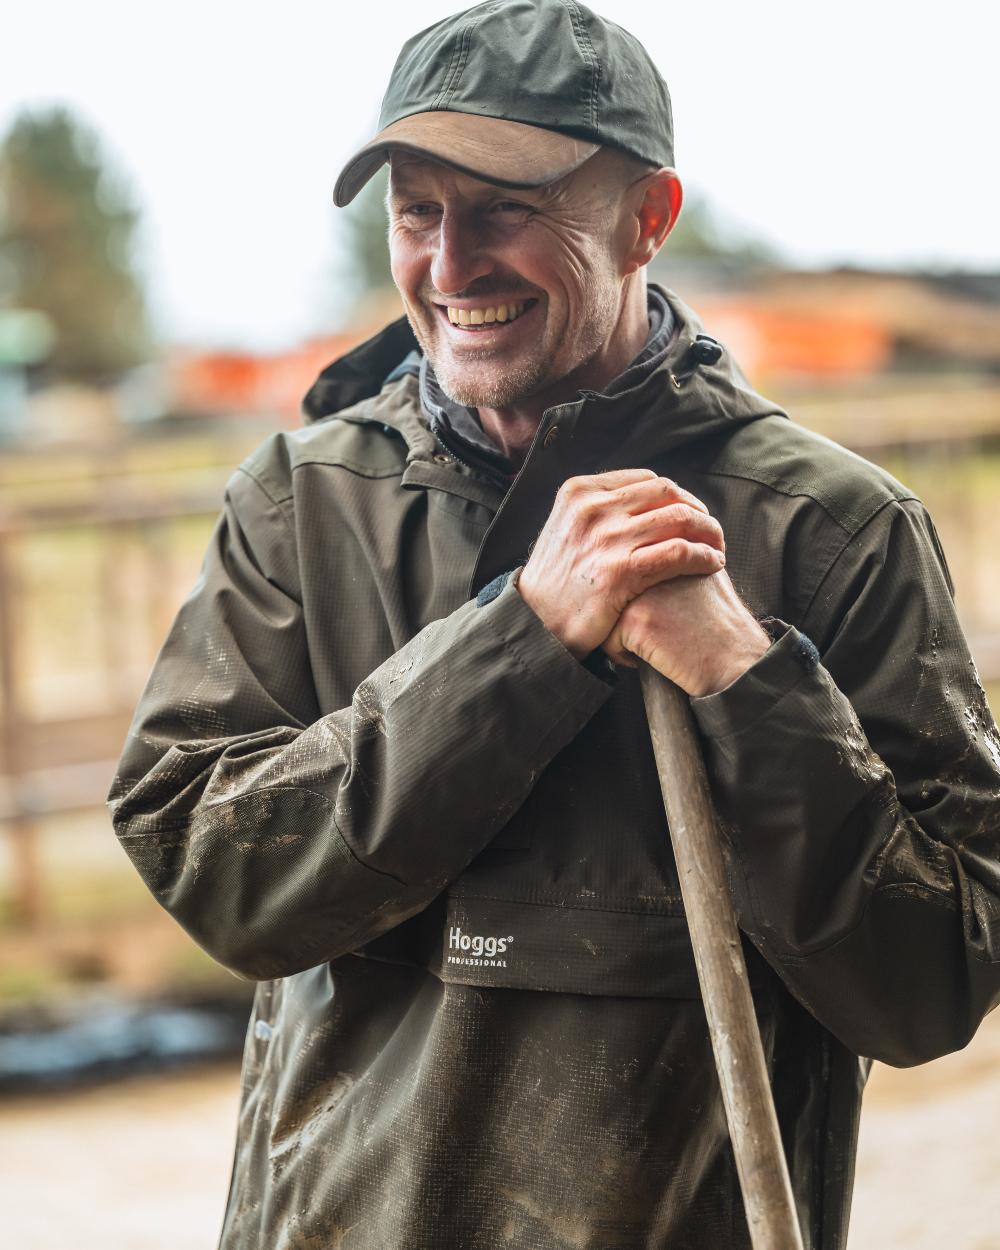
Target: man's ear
(656, 215)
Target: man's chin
(485, 381)
(487, 387)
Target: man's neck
(513, 428)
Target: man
(385, 766)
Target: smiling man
(523, 302)
(393, 765)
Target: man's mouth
(487, 315)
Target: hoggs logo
(464, 948)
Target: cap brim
(511, 154)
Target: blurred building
(798, 325)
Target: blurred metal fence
(53, 762)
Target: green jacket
(437, 840)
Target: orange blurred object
(240, 383)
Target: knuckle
(635, 561)
(587, 509)
(610, 533)
(706, 557)
(602, 542)
(699, 524)
(643, 616)
(678, 514)
(691, 500)
(698, 556)
(625, 477)
(709, 529)
(572, 488)
(674, 551)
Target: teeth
(485, 316)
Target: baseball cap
(519, 93)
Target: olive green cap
(520, 93)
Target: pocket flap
(574, 950)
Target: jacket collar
(459, 430)
(360, 374)
(693, 390)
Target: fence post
(26, 893)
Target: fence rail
(51, 763)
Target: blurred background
(172, 277)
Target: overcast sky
(860, 132)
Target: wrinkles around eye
(509, 212)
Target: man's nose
(461, 255)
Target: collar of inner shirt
(458, 428)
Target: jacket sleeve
(280, 838)
(858, 783)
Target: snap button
(550, 436)
(706, 350)
(441, 457)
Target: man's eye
(418, 216)
(511, 208)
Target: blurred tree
(366, 235)
(701, 235)
(67, 230)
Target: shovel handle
(722, 971)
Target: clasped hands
(635, 564)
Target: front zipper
(478, 470)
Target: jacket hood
(703, 385)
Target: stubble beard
(488, 387)
(503, 386)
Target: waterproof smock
(365, 775)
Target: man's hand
(635, 563)
(608, 539)
(695, 630)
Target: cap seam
(459, 55)
(447, 93)
(589, 55)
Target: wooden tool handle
(722, 972)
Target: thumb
(616, 650)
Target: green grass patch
(27, 982)
(87, 896)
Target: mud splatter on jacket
(437, 841)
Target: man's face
(508, 292)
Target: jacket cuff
(790, 658)
(598, 662)
(539, 650)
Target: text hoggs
(467, 948)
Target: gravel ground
(930, 1153)
(139, 1165)
(144, 1164)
